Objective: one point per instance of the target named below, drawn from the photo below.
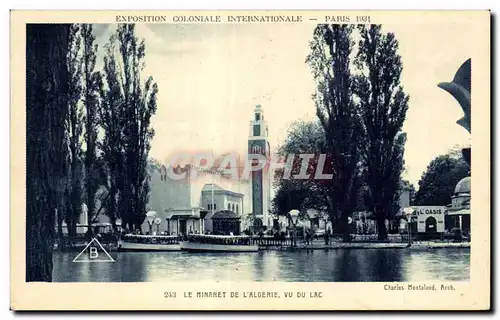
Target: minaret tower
(261, 184)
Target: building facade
(174, 201)
(429, 219)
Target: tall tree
(393, 179)
(437, 184)
(62, 206)
(138, 101)
(46, 109)
(111, 120)
(384, 104)
(140, 105)
(338, 114)
(73, 125)
(91, 99)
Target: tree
(394, 183)
(154, 164)
(46, 110)
(91, 99)
(384, 104)
(111, 120)
(303, 137)
(140, 105)
(412, 194)
(137, 104)
(289, 196)
(73, 125)
(437, 184)
(339, 115)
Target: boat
(138, 242)
(218, 243)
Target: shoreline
(367, 245)
(417, 245)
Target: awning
(182, 216)
(458, 212)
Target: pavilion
(458, 211)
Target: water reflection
(315, 265)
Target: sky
(210, 78)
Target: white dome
(463, 186)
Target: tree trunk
(137, 223)
(382, 231)
(60, 235)
(71, 224)
(46, 107)
(111, 205)
(334, 218)
(75, 206)
(333, 221)
(90, 201)
(113, 223)
(344, 227)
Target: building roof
(165, 168)
(210, 186)
(226, 214)
(207, 188)
(463, 186)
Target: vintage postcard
(253, 160)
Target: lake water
(450, 264)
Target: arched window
(256, 149)
(228, 206)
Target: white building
(215, 199)
(458, 211)
(186, 205)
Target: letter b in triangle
(93, 252)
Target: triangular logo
(94, 252)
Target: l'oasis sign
(426, 210)
(430, 218)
